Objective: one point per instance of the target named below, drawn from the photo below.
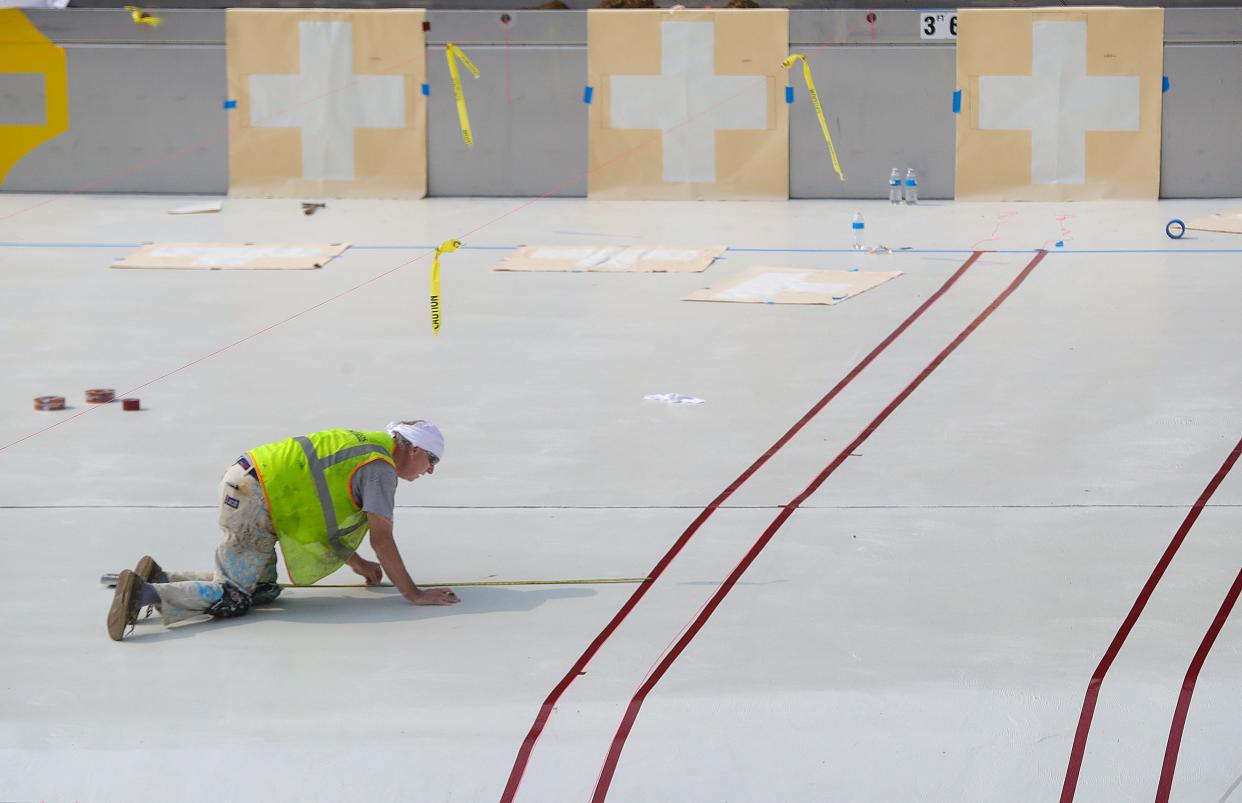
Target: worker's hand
(432, 596)
(370, 571)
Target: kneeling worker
(318, 495)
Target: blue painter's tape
(1165, 86)
(957, 102)
(587, 93)
(789, 94)
(230, 104)
(427, 89)
(1175, 229)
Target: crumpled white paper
(673, 398)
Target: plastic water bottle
(894, 186)
(857, 226)
(912, 187)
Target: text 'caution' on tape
(447, 247)
(819, 109)
(453, 53)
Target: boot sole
(147, 569)
(123, 612)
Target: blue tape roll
(230, 104)
(957, 102)
(427, 89)
(1164, 87)
(789, 94)
(1180, 228)
(587, 93)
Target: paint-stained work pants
(245, 558)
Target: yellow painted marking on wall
(463, 117)
(25, 50)
(819, 110)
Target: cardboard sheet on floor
(612, 258)
(232, 256)
(792, 286)
(1228, 222)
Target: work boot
(149, 571)
(265, 593)
(125, 604)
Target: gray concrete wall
(146, 105)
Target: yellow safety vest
(307, 484)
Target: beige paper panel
(1226, 222)
(387, 162)
(611, 258)
(997, 164)
(763, 285)
(232, 256)
(750, 164)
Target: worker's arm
(385, 547)
(371, 571)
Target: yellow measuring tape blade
(447, 247)
(598, 581)
(451, 50)
(819, 110)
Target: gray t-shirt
(375, 486)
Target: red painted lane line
(545, 711)
(631, 712)
(1188, 688)
(1097, 678)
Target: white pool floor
(923, 627)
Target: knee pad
(234, 602)
(265, 593)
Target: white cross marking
(1058, 102)
(326, 100)
(688, 101)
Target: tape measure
(100, 395)
(109, 580)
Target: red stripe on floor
(579, 667)
(1097, 678)
(631, 713)
(1188, 687)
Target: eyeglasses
(431, 458)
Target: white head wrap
(422, 434)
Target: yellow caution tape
(142, 17)
(451, 50)
(819, 110)
(447, 247)
(485, 583)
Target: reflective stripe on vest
(317, 465)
